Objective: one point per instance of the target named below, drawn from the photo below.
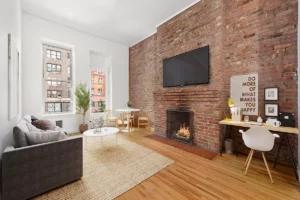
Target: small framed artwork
(271, 94)
(271, 110)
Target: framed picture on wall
(271, 94)
(271, 110)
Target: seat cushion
(44, 124)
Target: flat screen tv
(189, 68)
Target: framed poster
(244, 93)
(271, 94)
(271, 110)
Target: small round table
(105, 131)
(128, 112)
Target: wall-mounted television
(190, 68)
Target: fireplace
(180, 125)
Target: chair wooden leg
(249, 161)
(267, 166)
(138, 123)
(248, 157)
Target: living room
(149, 99)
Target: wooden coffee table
(105, 131)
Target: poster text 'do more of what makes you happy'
(244, 93)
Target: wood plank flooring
(194, 177)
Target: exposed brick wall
(261, 37)
(244, 37)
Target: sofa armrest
(32, 170)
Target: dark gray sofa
(33, 170)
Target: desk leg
(291, 152)
(278, 152)
(223, 139)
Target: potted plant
(128, 104)
(82, 103)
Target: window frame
(71, 80)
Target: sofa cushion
(43, 124)
(42, 137)
(33, 118)
(19, 137)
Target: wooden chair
(110, 119)
(145, 120)
(132, 118)
(259, 139)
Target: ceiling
(122, 21)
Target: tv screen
(189, 68)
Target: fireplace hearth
(180, 125)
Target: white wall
(10, 22)
(34, 30)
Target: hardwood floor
(193, 177)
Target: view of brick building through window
(57, 79)
(98, 98)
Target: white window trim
(46, 41)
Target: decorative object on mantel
(128, 104)
(271, 110)
(271, 94)
(83, 99)
(244, 93)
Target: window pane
(58, 55)
(58, 68)
(57, 107)
(48, 53)
(50, 107)
(49, 69)
(54, 68)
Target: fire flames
(183, 132)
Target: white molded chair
(258, 139)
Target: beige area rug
(109, 170)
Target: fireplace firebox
(180, 125)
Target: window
(53, 54)
(54, 107)
(57, 80)
(97, 91)
(92, 79)
(53, 93)
(53, 68)
(100, 91)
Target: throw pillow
(33, 128)
(34, 138)
(44, 125)
(27, 118)
(19, 137)
(62, 134)
(33, 118)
